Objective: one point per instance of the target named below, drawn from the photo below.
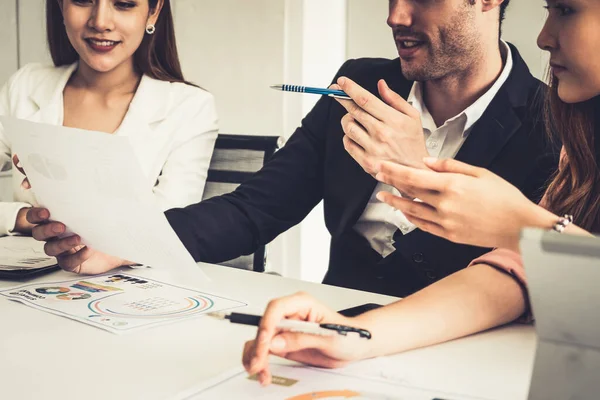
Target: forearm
(469, 301)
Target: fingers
(367, 120)
(356, 132)
(360, 156)
(36, 215)
(25, 184)
(58, 247)
(17, 164)
(300, 305)
(396, 101)
(248, 354)
(418, 180)
(74, 262)
(453, 166)
(315, 358)
(410, 208)
(47, 231)
(429, 227)
(363, 99)
(253, 367)
(289, 342)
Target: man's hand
(376, 131)
(71, 254)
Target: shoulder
(523, 87)
(35, 82)
(183, 92)
(34, 74)
(368, 71)
(179, 96)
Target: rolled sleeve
(510, 262)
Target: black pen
(311, 328)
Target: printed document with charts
(93, 183)
(296, 382)
(119, 302)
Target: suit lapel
(489, 135)
(500, 121)
(48, 97)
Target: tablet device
(563, 273)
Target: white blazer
(172, 128)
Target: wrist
(532, 217)
(369, 347)
(539, 217)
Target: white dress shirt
(379, 222)
(172, 128)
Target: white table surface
(50, 357)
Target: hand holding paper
(70, 253)
(92, 182)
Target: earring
(150, 29)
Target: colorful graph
(153, 307)
(94, 287)
(73, 296)
(52, 290)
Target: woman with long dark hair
(471, 205)
(116, 70)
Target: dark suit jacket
(313, 166)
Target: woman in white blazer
(116, 70)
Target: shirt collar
(476, 110)
(472, 113)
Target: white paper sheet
(119, 302)
(23, 253)
(93, 183)
(304, 383)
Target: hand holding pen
(330, 351)
(376, 129)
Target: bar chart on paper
(291, 382)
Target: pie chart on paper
(340, 395)
(328, 395)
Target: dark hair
(156, 57)
(503, 6)
(575, 188)
(503, 13)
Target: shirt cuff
(8, 217)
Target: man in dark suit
(478, 103)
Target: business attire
(172, 128)
(505, 137)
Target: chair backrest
(235, 159)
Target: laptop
(564, 284)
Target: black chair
(235, 159)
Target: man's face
(434, 38)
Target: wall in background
(8, 44)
